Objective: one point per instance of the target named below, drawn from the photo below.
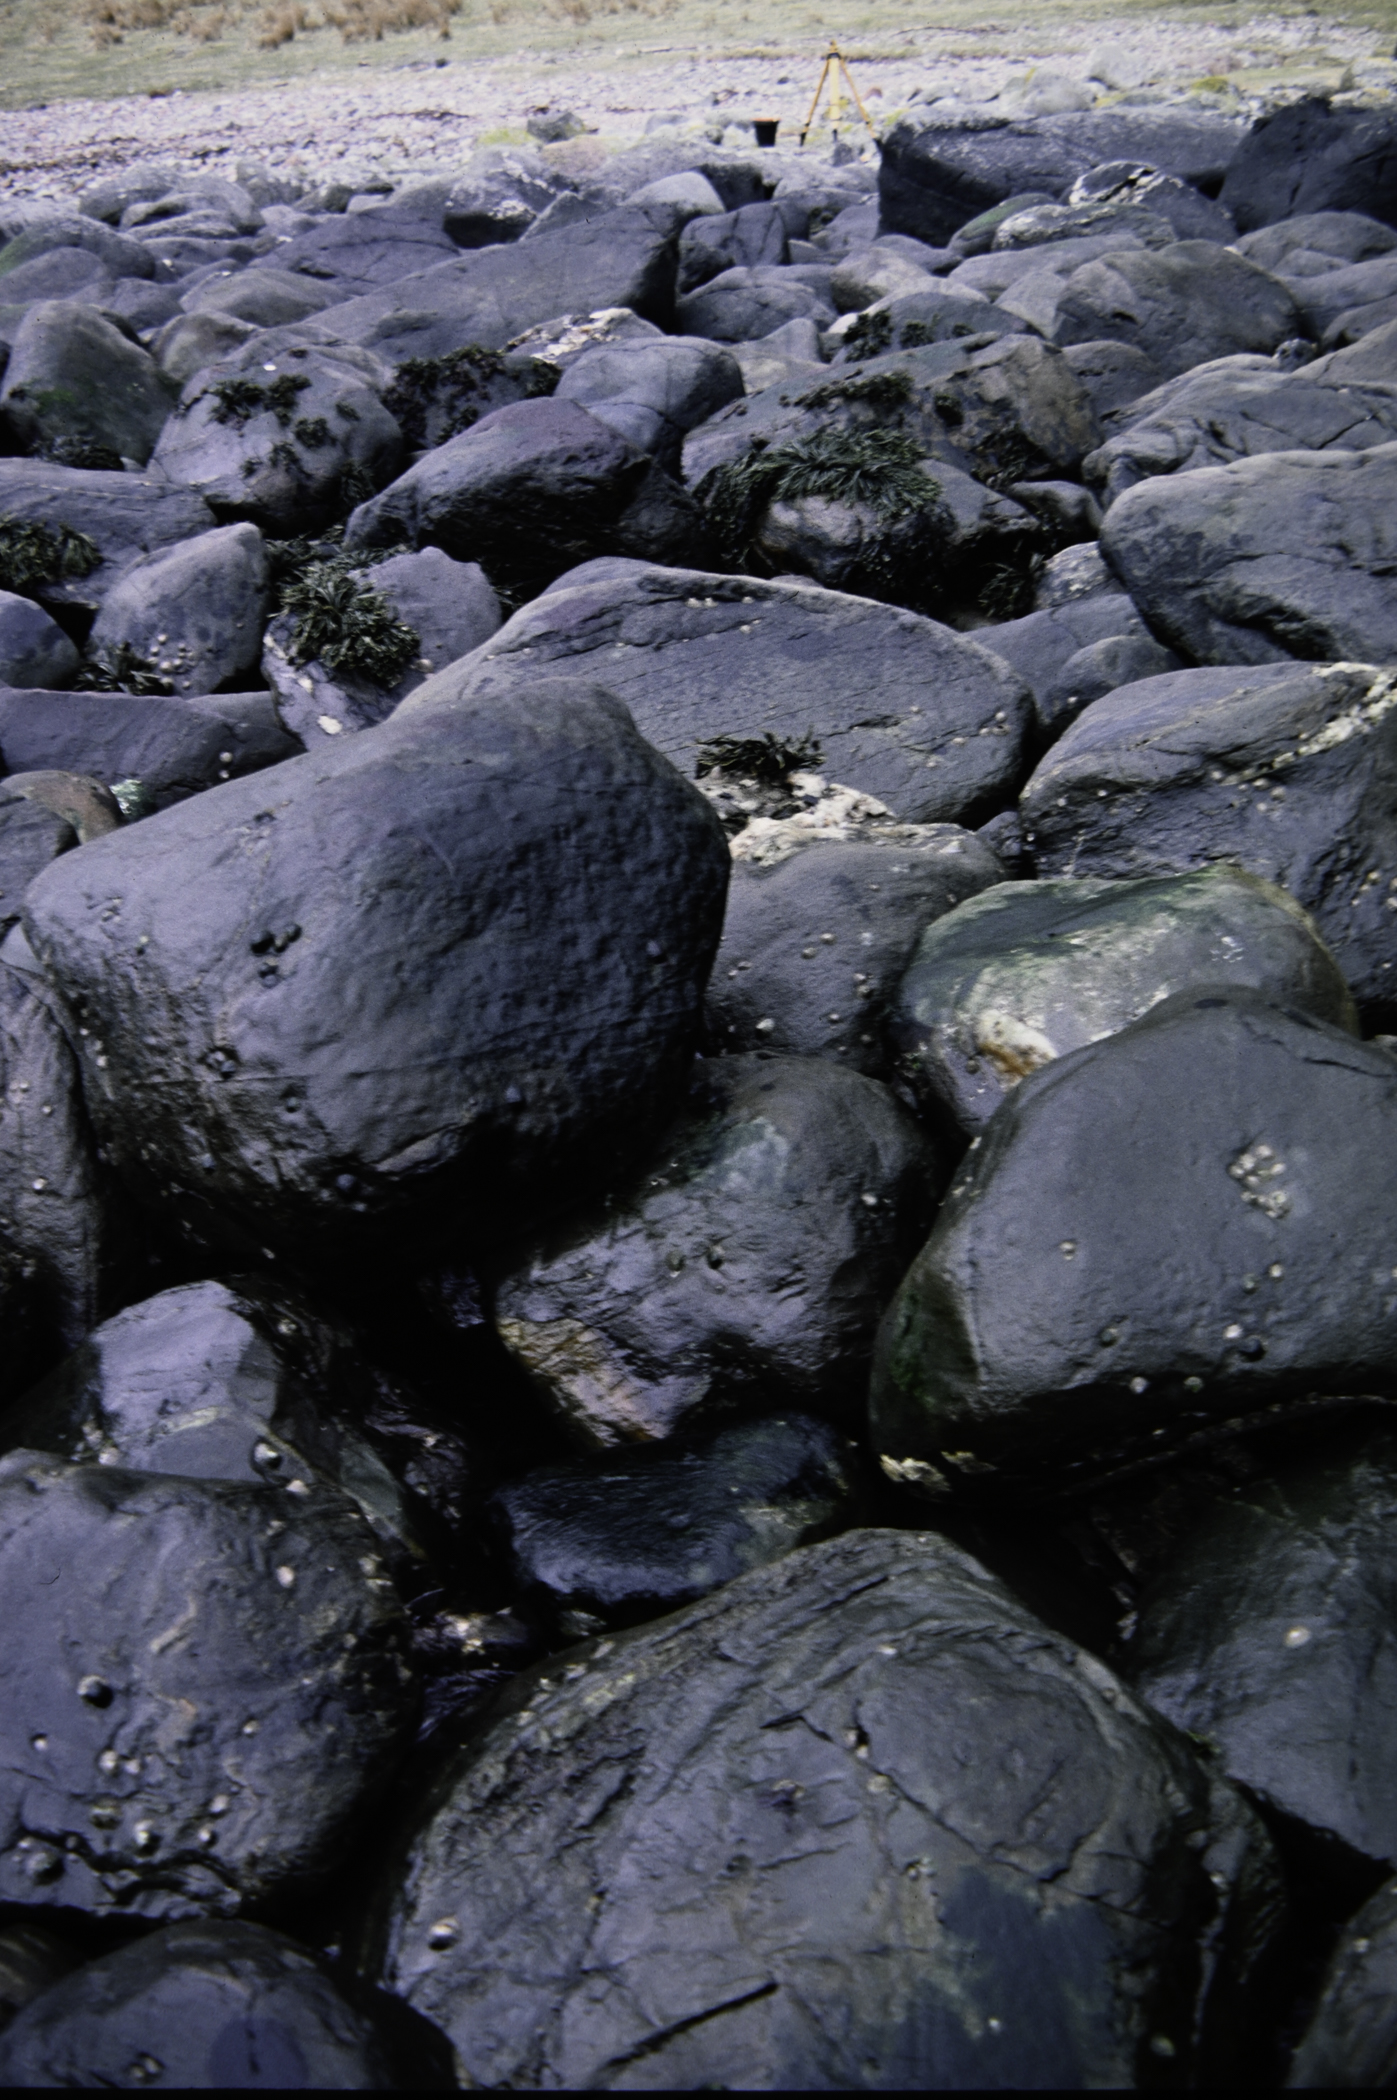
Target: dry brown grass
(205, 21)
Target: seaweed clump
(880, 468)
(120, 670)
(346, 624)
(767, 760)
(32, 554)
(435, 398)
(237, 401)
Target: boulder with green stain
(1014, 977)
(78, 391)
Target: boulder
(742, 305)
(1026, 971)
(30, 837)
(289, 441)
(1000, 410)
(533, 488)
(56, 1215)
(852, 1822)
(1284, 770)
(1193, 216)
(939, 170)
(1112, 375)
(622, 258)
(202, 2007)
(747, 1264)
(1041, 645)
(737, 240)
(139, 307)
(1097, 669)
(501, 194)
(880, 272)
(1343, 304)
(75, 387)
(171, 748)
(1268, 1636)
(1055, 1328)
(623, 1538)
(123, 516)
(349, 255)
(194, 612)
(1181, 305)
(992, 274)
(202, 1688)
(266, 298)
(88, 808)
(63, 273)
(30, 1960)
(934, 313)
(1304, 241)
(513, 906)
(1043, 225)
(653, 392)
(1197, 145)
(962, 549)
(64, 231)
(1309, 157)
(898, 706)
(34, 650)
(1073, 575)
(189, 342)
(238, 1381)
(1289, 554)
(1214, 416)
(448, 605)
(1350, 2041)
(785, 978)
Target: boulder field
(698, 1110)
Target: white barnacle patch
(1257, 1172)
(1014, 1047)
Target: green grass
(53, 49)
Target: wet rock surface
(801, 1723)
(696, 849)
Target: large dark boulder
(814, 944)
(742, 306)
(361, 252)
(1351, 2041)
(34, 650)
(171, 747)
(622, 258)
(1181, 305)
(460, 955)
(1001, 410)
(201, 2007)
(1056, 1324)
(288, 440)
(935, 175)
(747, 1263)
(1210, 418)
(1313, 243)
(531, 490)
(201, 1688)
(859, 1821)
(1284, 769)
(1041, 645)
(1269, 1635)
(622, 1538)
(1026, 971)
(1310, 157)
(653, 391)
(1290, 554)
(77, 389)
(734, 240)
(75, 231)
(897, 705)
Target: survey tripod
(835, 64)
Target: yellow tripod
(835, 64)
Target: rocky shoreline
(698, 893)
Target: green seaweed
(768, 760)
(121, 669)
(33, 554)
(882, 390)
(871, 335)
(346, 624)
(237, 401)
(880, 468)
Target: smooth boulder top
(453, 952)
(1291, 554)
(1056, 1326)
(859, 1820)
(902, 708)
